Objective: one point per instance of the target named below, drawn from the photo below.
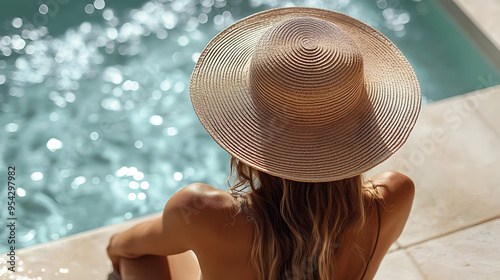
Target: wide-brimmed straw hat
(305, 94)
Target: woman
(305, 100)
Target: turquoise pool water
(94, 106)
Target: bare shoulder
(394, 186)
(199, 195)
(199, 204)
(398, 191)
(193, 213)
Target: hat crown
(307, 71)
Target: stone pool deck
(453, 155)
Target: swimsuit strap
(376, 241)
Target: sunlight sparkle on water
(165, 85)
(132, 171)
(99, 4)
(43, 9)
(139, 176)
(138, 144)
(65, 173)
(129, 85)
(122, 171)
(109, 178)
(178, 176)
(17, 22)
(20, 192)
(156, 120)
(108, 14)
(78, 181)
(29, 236)
(53, 116)
(171, 131)
(89, 9)
(94, 135)
(145, 185)
(133, 185)
(36, 176)
(54, 144)
(11, 127)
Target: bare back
(222, 240)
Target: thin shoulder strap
(376, 241)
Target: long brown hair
(298, 225)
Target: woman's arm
(166, 235)
(398, 192)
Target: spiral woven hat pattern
(305, 94)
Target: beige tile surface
(484, 14)
(468, 254)
(78, 257)
(453, 157)
(488, 106)
(393, 247)
(398, 265)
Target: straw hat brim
(220, 95)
